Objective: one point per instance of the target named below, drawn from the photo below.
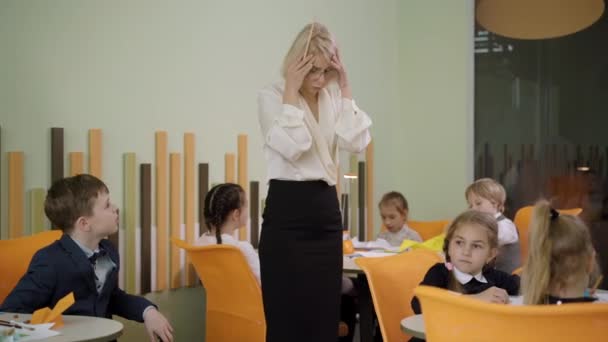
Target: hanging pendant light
(537, 19)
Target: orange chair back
(392, 281)
(522, 221)
(234, 299)
(16, 255)
(452, 317)
(429, 229)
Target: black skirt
(301, 261)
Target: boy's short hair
(70, 198)
(489, 189)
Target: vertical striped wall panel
(189, 197)
(353, 196)
(37, 217)
(230, 175)
(229, 168)
(95, 153)
(369, 188)
(2, 233)
(203, 188)
(129, 213)
(162, 234)
(56, 154)
(16, 199)
(175, 216)
(242, 173)
(361, 204)
(76, 163)
(254, 212)
(145, 211)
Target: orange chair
(234, 299)
(452, 317)
(15, 257)
(392, 281)
(522, 219)
(429, 229)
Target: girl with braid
(226, 211)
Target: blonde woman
(305, 119)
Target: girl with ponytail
(225, 211)
(561, 259)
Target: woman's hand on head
(336, 64)
(493, 295)
(296, 72)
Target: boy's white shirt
(507, 232)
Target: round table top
(78, 328)
(413, 326)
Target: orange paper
(46, 315)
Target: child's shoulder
(438, 269)
(437, 275)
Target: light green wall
(431, 130)
(132, 67)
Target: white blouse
(253, 260)
(296, 146)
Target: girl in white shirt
(225, 211)
(305, 120)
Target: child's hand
(157, 326)
(493, 295)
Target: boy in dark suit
(82, 261)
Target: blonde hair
(321, 42)
(559, 253)
(396, 199)
(489, 189)
(469, 217)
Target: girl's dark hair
(220, 201)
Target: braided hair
(220, 201)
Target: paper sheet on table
(516, 300)
(40, 332)
(602, 296)
(370, 254)
(376, 244)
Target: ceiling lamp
(537, 19)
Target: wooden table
(78, 328)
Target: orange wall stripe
(76, 163)
(189, 196)
(16, 195)
(242, 173)
(95, 152)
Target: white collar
(464, 278)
